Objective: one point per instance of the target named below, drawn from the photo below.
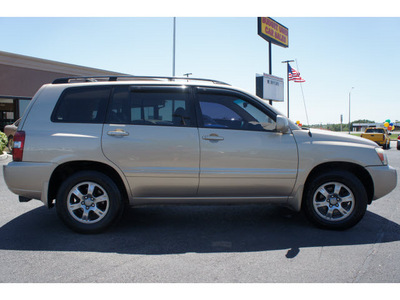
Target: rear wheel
(89, 202)
(335, 200)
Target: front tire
(89, 202)
(335, 200)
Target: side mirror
(282, 124)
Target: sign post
(273, 33)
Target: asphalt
(201, 244)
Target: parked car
(90, 146)
(9, 131)
(379, 135)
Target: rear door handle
(213, 137)
(118, 132)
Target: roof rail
(129, 77)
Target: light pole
(173, 49)
(349, 106)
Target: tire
(388, 146)
(10, 143)
(89, 202)
(335, 200)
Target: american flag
(294, 75)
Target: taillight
(18, 149)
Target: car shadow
(199, 229)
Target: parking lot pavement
(246, 243)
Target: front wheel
(335, 200)
(89, 202)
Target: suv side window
(150, 106)
(232, 112)
(82, 105)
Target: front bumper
(384, 178)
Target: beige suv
(93, 145)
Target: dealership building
(21, 76)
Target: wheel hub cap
(333, 201)
(88, 202)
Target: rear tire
(89, 202)
(335, 200)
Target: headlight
(382, 156)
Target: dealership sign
(269, 87)
(273, 32)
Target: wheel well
(360, 172)
(65, 170)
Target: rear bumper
(27, 179)
(384, 178)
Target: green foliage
(3, 141)
(340, 127)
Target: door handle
(118, 132)
(213, 137)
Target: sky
(332, 53)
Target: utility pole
(287, 74)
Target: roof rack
(129, 77)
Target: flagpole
(287, 74)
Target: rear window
(82, 105)
(374, 130)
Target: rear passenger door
(151, 135)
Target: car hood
(331, 136)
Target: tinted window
(168, 108)
(375, 131)
(82, 105)
(231, 112)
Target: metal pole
(270, 63)
(270, 58)
(173, 55)
(287, 62)
(349, 107)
